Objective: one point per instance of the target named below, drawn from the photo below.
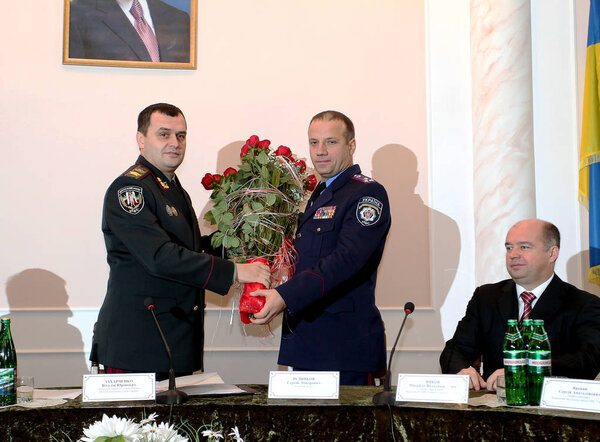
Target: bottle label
(539, 337)
(7, 380)
(514, 358)
(511, 336)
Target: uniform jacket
(331, 321)
(98, 29)
(571, 319)
(154, 250)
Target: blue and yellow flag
(589, 155)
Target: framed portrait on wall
(131, 33)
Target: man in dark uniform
(155, 251)
(331, 321)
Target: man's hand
(254, 272)
(274, 304)
(492, 381)
(476, 381)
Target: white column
(503, 162)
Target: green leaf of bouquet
(253, 219)
(219, 207)
(227, 219)
(230, 242)
(208, 216)
(217, 239)
(271, 199)
(262, 158)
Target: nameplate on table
(571, 394)
(445, 388)
(304, 384)
(119, 387)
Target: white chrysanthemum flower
(149, 419)
(112, 427)
(212, 435)
(236, 433)
(161, 433)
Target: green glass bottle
(8, 365)
(540, 361)
(527, 331)
(515, 365)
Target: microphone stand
(172, 395)
(387, 396)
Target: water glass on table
(25, 386)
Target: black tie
(320, 187)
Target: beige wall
(397, 68)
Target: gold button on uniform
(195, 308)
(318, 229)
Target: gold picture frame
(100, 33)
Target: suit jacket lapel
(119, 24)
(507, 302)
(551, 302)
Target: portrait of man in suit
(129, 30)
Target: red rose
(310, 183)
(264, 144)
(301, 164)
(230, 171)
(208, 181)
(217, 178)
(284, 151)
(252, 141)
(245, 150)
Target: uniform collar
(164, 181)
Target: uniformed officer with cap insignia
(155, 250)
(331, 321)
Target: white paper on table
(193, 379)
(56, 394)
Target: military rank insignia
(162, 183)
(368, 210)
(131, 199)
(324, 212)
(363, 179)
(137, 172)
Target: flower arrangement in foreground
(256, 209)
(115, 429)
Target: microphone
(387, 397)
(172, 395)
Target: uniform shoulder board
(137, 172)
(363, 179)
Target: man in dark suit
(104, 30)
(571, 316)
(331, 321)
(155, 251)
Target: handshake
(258, 304)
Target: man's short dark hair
(331, 115)
(163, 108)
(550, 235)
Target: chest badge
(325, 212)
(131, 199)
(368, 210)
(171, 210)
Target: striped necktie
(527, 298)
(145, 31)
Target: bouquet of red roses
(256, 209)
